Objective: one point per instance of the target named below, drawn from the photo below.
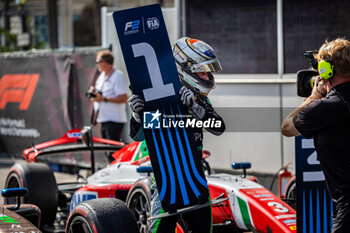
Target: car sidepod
(253, 206)
(94, 191)
(113, 181)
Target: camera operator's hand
(319, 89)
(137, 105)
(91, 89)
(188, 99)
(98, 97)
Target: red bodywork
(106, 190)
(268, 210)
(71, 137)
(222, 211)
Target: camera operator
(109, 97)
(327, 119)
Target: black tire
(40, 181)
(291, 194)
(103, 215)
(139, 202)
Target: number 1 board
(175, 158)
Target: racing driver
(195, 62)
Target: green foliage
(10, 41)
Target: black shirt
(328, 121)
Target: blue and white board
(314, 205)
(151, 67)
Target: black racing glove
(188, 99)
(137, 105)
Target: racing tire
(139, 202)
(40, 181)
(291, 194)
(103, 215)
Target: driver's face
(203, 75)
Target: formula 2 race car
(250, 206)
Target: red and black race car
(249, 207)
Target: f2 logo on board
(17, 88)
(132, 27)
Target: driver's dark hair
(106, 56)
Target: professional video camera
(91, 93)
(306, 78)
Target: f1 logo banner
(43, 97)
(151, 67)
(314, 205)
(17, 88)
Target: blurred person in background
(109, 96)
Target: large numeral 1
(158, 89)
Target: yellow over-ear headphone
(325, 69)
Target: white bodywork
(232, 184)
(117, 173)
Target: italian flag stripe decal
(245, 212)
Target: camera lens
(305, 82)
